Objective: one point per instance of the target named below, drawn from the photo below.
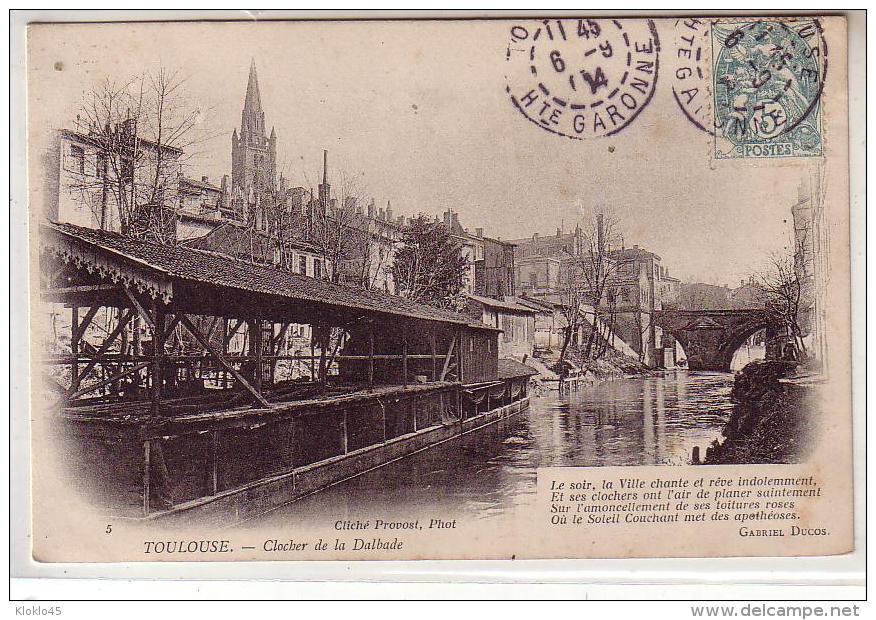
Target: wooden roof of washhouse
(170, 272)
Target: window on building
(317, 269)
(101, 165)
(302, 265)
(77, 155)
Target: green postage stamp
(768, 77)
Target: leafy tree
(429, 266)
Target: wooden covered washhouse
(176, 388)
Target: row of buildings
(97, 175)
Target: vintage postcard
(365, 289)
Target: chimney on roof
(479, 232)
(204, 179)
(535, 236)
(559, 231)
(448, 218)
(371, 208)
(381, 215)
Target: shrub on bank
(771, 421)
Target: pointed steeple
(253, 98)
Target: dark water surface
(492, 472)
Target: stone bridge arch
(711, 337)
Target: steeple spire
(253, 98)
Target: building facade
(811, 252)
(633, 296)
(495, 274)
(112, 180)
(516, 320)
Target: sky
(418, 113)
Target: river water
(653, 420)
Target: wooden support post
(447, 359)
(124, 351)
(168, 331)
(86, 321)
(371, 365)
(312, 355)
(123, 320)
(412, 403)
(460, 371)
(88, 388)
(214, 462)
(225, 340)
(74, 348)
(324, 337)
(184, 320)
(157, 358)
(432, 349)
(256, 351)
(147, 445)
(135, 335)
(345, 440)
(405, 360)
(140, 309)
(459, 404)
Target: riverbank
(771, 421)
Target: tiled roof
(537, 305)
(509, 368)
(503, 305)
(200, 184)
(231, 237)
(95, 140)
(216, 270)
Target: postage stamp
(582, 78)
(767, 80)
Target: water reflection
(654, 420)
(648, 421)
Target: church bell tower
(253, 158)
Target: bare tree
(572, 299)
(786, 285)
(140, 130)
(599, 270)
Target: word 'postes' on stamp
(768, 77)
(582, 78)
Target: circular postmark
(690, 64)
(582, 78)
